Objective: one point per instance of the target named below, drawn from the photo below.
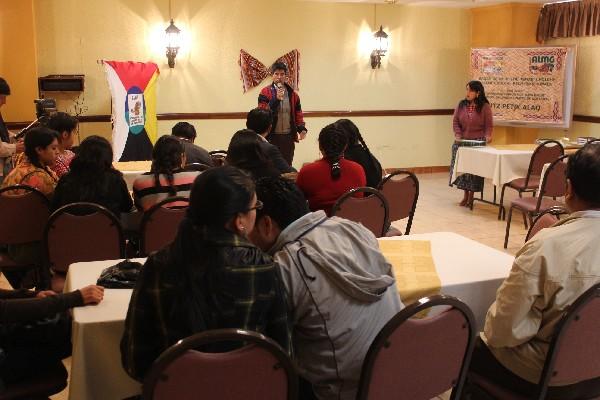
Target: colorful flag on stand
(133, 92)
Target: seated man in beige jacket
(549, 273)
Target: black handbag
(120, 276)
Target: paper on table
(414, 269)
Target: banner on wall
(253, 72)
(530, 86)
(133, 92)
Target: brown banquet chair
(545, 220)
(25, 211)
(260, 370)
(554, 185)
(420, 358)
(401, 190)
(545, 153)
(160, 224)
(371, 211)
(81, 232)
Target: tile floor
(438, 210)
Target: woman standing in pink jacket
(473, 126)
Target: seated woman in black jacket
(93, 179)
(210, 277)
(358, 151)
(29, 347)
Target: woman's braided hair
(333, 143)
(166, 158)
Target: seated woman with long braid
(326, 180)
(166, 177)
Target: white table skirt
(501, 166)
(468, 270)
(96, 371)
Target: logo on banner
(135, 110)
(541, 64)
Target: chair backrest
(259, 370)
(554, 183)
(218, 157)
(545, 220)
(371, 211)
(160, 223)
(545, 153)
(24, 214)
(574, 352)
(401, 190)
(82, 232)
(418, 359)
(196, 167)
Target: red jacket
(267, 99)
(321, 190)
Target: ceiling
(440, 3)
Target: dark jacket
(23, 306)
(372, 167)
(203, 280)
(273, 153)
(196, 154)
(110, 192)
(267, 99)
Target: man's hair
(583, 170)
(184, 130)
(259, 120)
(282, 200)
(278, 65)
(4, 88)
(62, 122)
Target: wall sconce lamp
(173, 41)
(380, 47)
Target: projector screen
(527, 86)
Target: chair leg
(501, 209)
(508, 227)
(525, 214)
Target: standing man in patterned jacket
(288, 121)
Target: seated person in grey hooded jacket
(340, 288)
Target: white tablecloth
(499, 165)
(468, 270)
(96, 371)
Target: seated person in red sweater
(326, 180)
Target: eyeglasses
(257, 206)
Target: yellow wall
(506, 25)
(426, 68)
(18, 58)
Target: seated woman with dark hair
(41, 149)
(93, 179)
(210, 277)
(166, 177)
(326, 180)
(245, 152)
(358, 151)
(65, 125)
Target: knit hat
(4, 88)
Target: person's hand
(92, 294)
(488, 140)
(280, 93)
(45, 293)
(20, 146)
(302, 135)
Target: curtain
(569, 19)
